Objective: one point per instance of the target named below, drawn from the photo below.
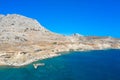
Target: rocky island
(23, 40)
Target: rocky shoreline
(41, 57)
(23, 40)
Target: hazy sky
(87, 17)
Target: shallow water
(91, 65)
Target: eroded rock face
(23, 40)
(17, 28)
(18, 23)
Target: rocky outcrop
(23, 40)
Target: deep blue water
(91, 65)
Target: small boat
(38, 64)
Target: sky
(86, 17)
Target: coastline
(52, 56)
(23, 41)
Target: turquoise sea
(89, 65)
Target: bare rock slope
(23, 40)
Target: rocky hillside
(17, 28)
(23, 40)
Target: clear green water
(92, 65)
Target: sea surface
(89, 65)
